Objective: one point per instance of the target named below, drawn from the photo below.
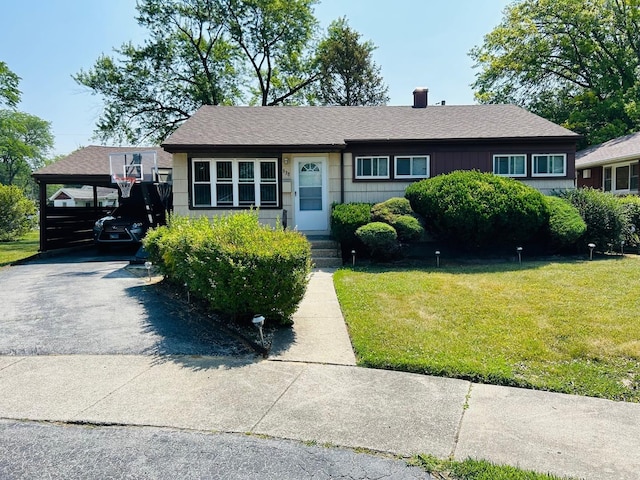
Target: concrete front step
(327, 262)
(323, 243)
(325, 252)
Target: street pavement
(310, 390)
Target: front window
(621, 178)
(235, 183)
(549, 165)
(510, 165)
(412, 167)
(372, 167)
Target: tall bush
(17, 213)
(238, 266)
(566, 226)
(346, 218)
(631, 208)
(476, 209)
(607, 223)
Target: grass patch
(475, 470)
(564, 326)
(17, 250)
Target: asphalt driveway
(94, 304)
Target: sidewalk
(307, 393)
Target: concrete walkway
(307, 393)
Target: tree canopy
(348, 74)
(202, 52)
(575, 62)
(9, 92)
(25, 141)
(226, 52)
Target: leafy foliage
(476, 209)
(201, 52)
(9, 92)
(348, 74)
(346, 218)
(631, 207)
(25, 141)
(380, 239)
(607, 223)
(574, 62)
(238, 266)
(566, 226)
(274, 37)
(17, 213)
(397, 212)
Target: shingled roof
(617, 149)
(93, 161)
(221, 126)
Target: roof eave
(188, 148)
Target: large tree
(275, 37)
(348, 74)
(9, 92)
(149, 90)
(201, 52)
(576, 62)
(25, 141)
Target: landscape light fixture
(622, 247)
(258, 321)
(519, 250)
(438, 258)
(591, 247)
(353, 258)
(148, 266)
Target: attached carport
(63, 227)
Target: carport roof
(91, 164)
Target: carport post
(43, 214)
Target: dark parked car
(129, 222)
(120, 229)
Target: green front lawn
(17, 250)
(565, 326)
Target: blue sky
(421, 43)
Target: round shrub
(380, 238)
(397, 212)
(604, 215)
(408, 228)
(387, 210)
(476, 209)
(346, 218)
(566, 226)
(17, 213)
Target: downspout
(342, 176)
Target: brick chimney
(420, 97)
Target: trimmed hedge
(17, 213)
(604, 215)
(566, 226)
(397, 212)
(346, 218)
(474, 209)
(631, 207)
(380, 238)
(238, 266)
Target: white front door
(310, 191)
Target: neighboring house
(83, 197)
(294, 162)
(611, 166)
